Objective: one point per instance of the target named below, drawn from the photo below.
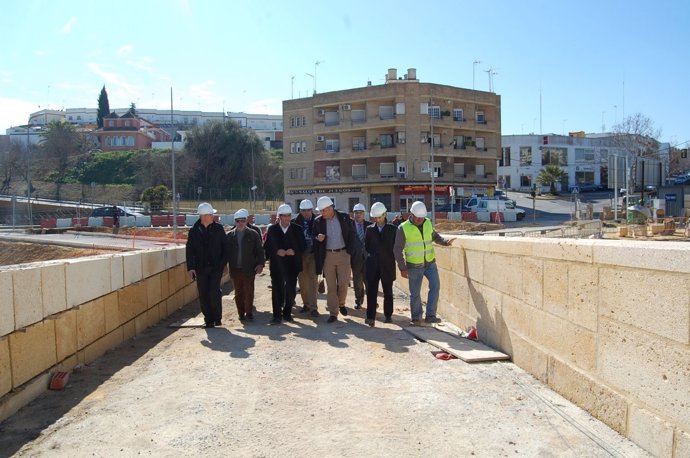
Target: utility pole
(172, 153)
(432, 168)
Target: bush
(156, 197)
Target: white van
(487, 206)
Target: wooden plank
(195, 322)
(467, 350)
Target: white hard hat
(418, 209)
(205, 209)
(306, 205)
(284, 209)
(378, 209)
(324, 202)
(359, 208)
(241, 213)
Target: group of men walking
(302, 250)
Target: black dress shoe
(209, 325)
(389, 319)
(242, 318)
(314, 313)
(250, 317)
(332, 319)
(276, 321)
(358, 306)
(343, 311)
(218, 323)
(288, 318)
(304, 309)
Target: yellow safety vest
(418, 249)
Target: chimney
(392, 74)
(411, 73)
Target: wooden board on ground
(469, 351)
(194, 322)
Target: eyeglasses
(241, 220)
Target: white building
(587, 159)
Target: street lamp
(28, 173)
(474, 65)
(431, 168)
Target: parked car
(109, 211)
(585, 187)
(683, 179)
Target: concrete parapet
(57, 314)
(6, 303)
(87, 279)
(605, 323)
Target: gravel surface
(307, 389)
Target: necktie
(360, 232)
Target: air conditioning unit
(425, 140)
(322, 112)
(347, 107)
(320, 138)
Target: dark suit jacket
(206, 248)
(252, 251)
(276, 240)
(359, 255)
(379, 247)
(348, 229)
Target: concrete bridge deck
(306, 388)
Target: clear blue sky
(593, 61)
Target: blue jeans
(415, 276)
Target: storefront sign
(324, 191)
(422, 188)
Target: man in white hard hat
(246, 260)
(307, 279)
(416, 259)
(359, 256)
(333, 233)
(284, 246)
(206, 254)
(379, 241)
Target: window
(108, 141)
(351, 202)
(293, 147)
(402, 169)
(386, 112)
(479, 141)
(604, 156)
(479, 170)
(385, 199)
(359, 171)
(304, 147)
(69, 117)
(425, 137)
(554, 156)
(126, 122)
(123, 142)
(130, 141)
(525, 181)
(459, 170)
(387, 169)
(584, 155)
(400, 108)
(459, 142)
(584, 176)
(111, 123)
(358, 116)
(332, 173)
(401, 137)
(436, 169)
(437, 140)
(458, 115)
(292, 121)
(332, 146)
(304, 121)
(359, 143)
(435, 111)
(505, 157)
(298, 147)
(298, 174)
(332, 118)
(424, 108)
(525, 156)
(480, 117)
(386, 140)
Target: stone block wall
(58, 314)
(604, 323)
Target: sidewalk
(308, 389)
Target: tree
(156, 197)
(103, 107)
(224, 152)
(551, 174)
(59, 141)
(133, 108)
(637, 136)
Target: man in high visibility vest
(416, 259)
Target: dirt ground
(19, 253)
(307, 389)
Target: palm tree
(551, 174)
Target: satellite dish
(253, 188)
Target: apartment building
(588, 159)
(389, 142)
